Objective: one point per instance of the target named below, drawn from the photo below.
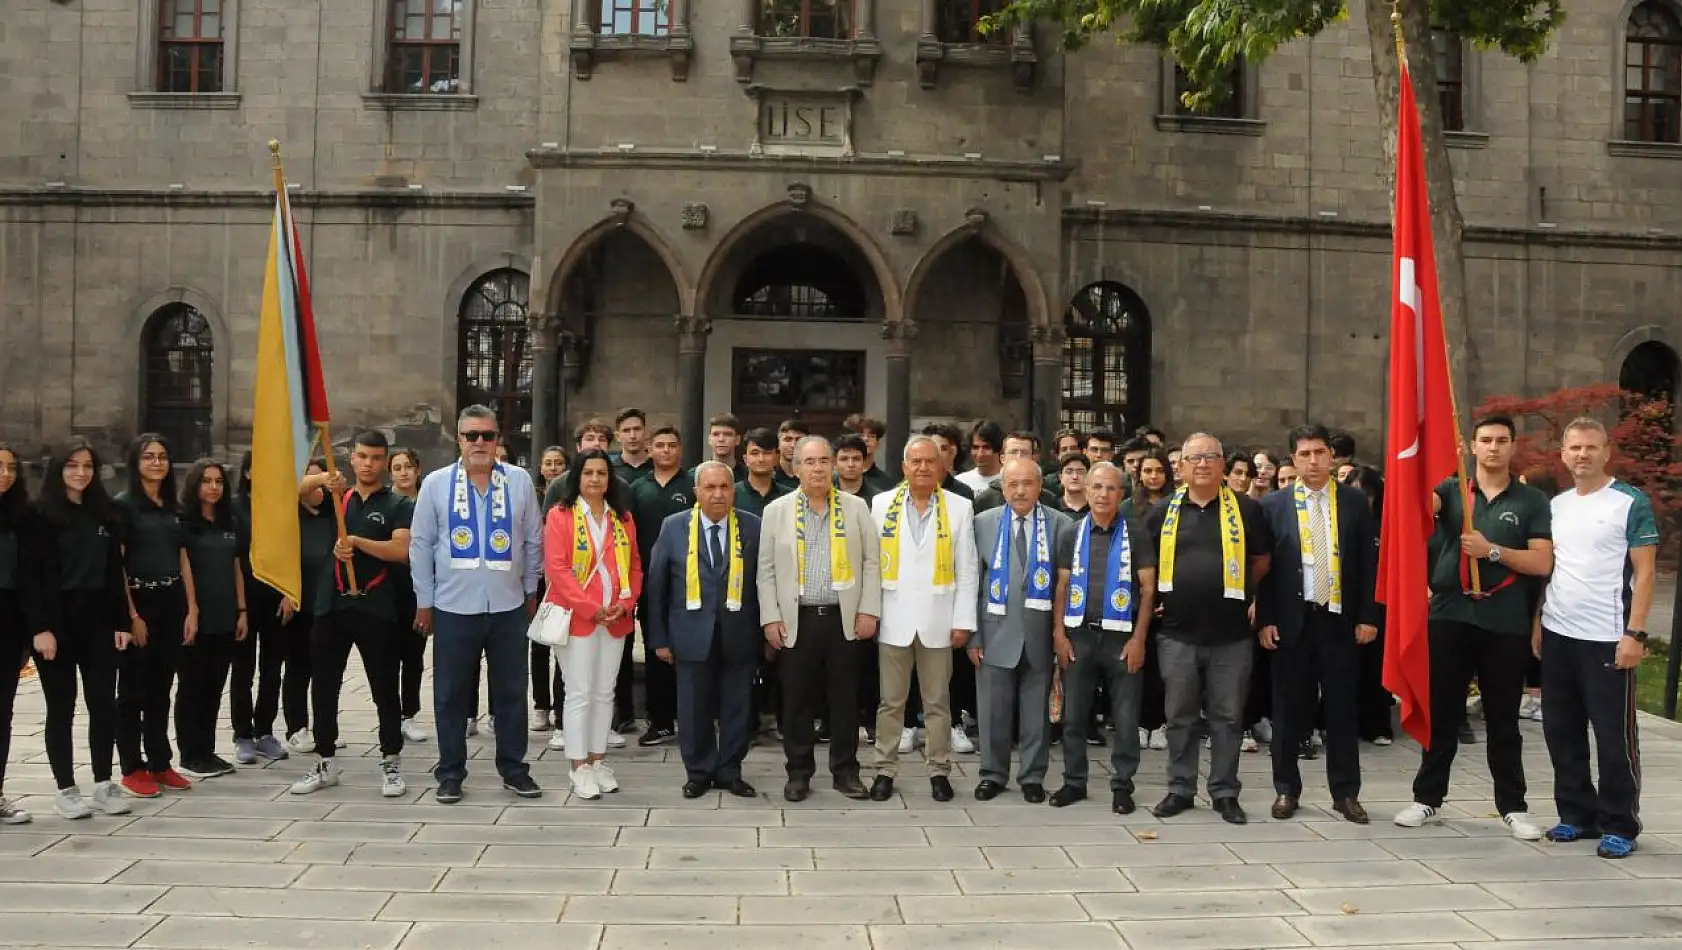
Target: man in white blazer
(930, 575)
(819, 590)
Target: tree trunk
(1447, 226)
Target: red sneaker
(140, 785)
(172, 780)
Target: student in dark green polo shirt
(666, 490)
(1485, 634)
(762, 453)
(215, 550)
(632, 461)
(850, 454)
(788, 435)
(872, 431)
(377, 534)
(164, 614)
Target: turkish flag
(1420, 448)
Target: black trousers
(1320, 660)
(820, 676)
(297, 653)
(1153, 694)
(255, 674)
(548, 690)
(1460, 651)
(1372, 700)
(146, 680)
(14, 650)
(1583, 691)
(1260, 704)
(659, 685)
(411, 657)
(870, 686)
(375, 640)
(204, 672)
(85, 645)
(715, 699)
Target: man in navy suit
(1314, 607)
(703, 614)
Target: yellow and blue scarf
(468, 549)
(1232, 545)
(840, 569)
(1038, 594)
(945, 563)
(1117, 586)
(692, 564)
(584, 558)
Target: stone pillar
(545, 377)
(573, 346)
(692, 384)
(1046, 383)
(865, 13)
(929, 18)
(900, 335)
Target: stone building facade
(793, 206)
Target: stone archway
(972, 306)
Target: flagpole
(322, 432)
(1463, 483)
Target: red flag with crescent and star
(1420, 450)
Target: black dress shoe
(736, 786)
(988, 790)
(1121, 803)
(881, 790)
(1172, 805)
(1351, 810)
(1306, 750)
(941, 786)
(523, 786)
(1467, 736)
(797, 790)
(696, 787)
(1230, 812)
(1033, 794)
(1284, 807)
(449, 791)
(852, 788)
(1067, 795)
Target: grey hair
(1107, 467)
(808, 439)
(1203, 435)
(476, 411)
(905, 456)
(708, 466)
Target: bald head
(1020, 484)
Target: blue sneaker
(1563, 833)
(1612, 846)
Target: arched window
(801, 281)
(1107, 359)
(494, 362)
(1653, 74)
(178, 350)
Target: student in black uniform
(14, 635)
(215, 550)
(78, 609)
(547, 693)
(411, 652)
(163, 614)
(261, 655)
(317, 533)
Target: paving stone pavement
(237, 862)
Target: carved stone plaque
(802, 122)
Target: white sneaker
(558, 741)
(301, 742)
(1159, 739)
(961, 742)
(69, 804)
(1474, 704)
(412, 731)
(11, 814)
(1522, 827)
(907, 740)
(540, 720)
(1536, 714)
(109, 799)
(1382, 741)
(584, 782)
(1264, 731)
(615, 741)
(1415, 816)
(605, 779)
(392, 784)
(325, 774)
(1144, 738)
(472, 728)
(1248, 743)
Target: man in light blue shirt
(476, 553)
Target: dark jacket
(689, 633)
(1279, 601)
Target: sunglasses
(478, 436)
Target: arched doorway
(1652, 370)
(494, 361)
(178, 353)
(1107, 359)
(796, 327)
(972, 321)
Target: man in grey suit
(702, 599)
(1019, 620)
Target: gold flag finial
(1396, 24)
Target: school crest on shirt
(500, 541)
(461, 538)
(1510, 517)
(375, 517)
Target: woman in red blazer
(593, 570)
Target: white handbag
(551, 626)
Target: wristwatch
(1494, 555)
(1639, 636)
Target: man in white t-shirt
(1590, 636)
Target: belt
(1315, 608)
(821, 610)
(136, 583)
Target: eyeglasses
(478, 436)
(1201, 457)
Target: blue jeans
(458, 640)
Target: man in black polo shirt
(666, 490)
(377, 535)
(1485, 633)
(789, 435)
(850, 452)
(763, 484)
(631, 462)
(1214, 549)
(872, 431)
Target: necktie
(1020, 541)
(715, 550)
(1322, 550)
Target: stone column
(900, 335)
(692, 384)
(582, 16)
(864, 12)
(572, 352)
(1046, 384)
(928, 19)
(545, 377)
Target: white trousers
(590, 668)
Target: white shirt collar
(707, 523)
